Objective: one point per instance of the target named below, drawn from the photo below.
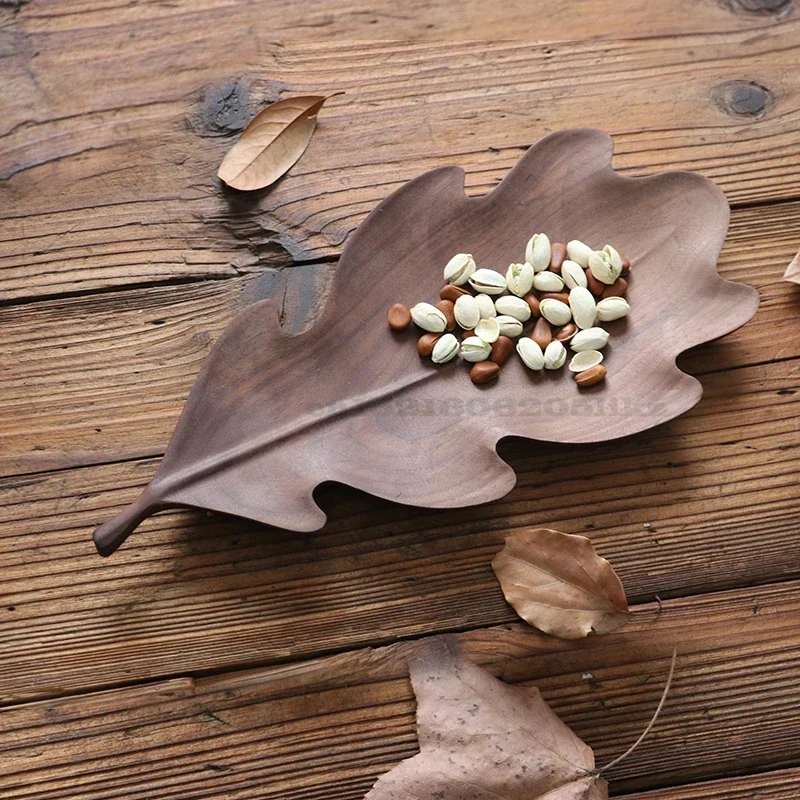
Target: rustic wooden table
(213, 658)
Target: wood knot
(224, 109)
(743, 98)
(780, 9)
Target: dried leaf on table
(792, 273)
(480, 738)
(556, 582)
(273, 140)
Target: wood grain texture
(59, 386)
(725, 105)
(320, 20)
(327, 728)
(778, 785)
(706, 502)
(111, 369)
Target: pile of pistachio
(563, 290)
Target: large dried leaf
(556, 582)
(273, 140)
(481, 739)
(273, 415)
(792, 273)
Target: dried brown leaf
(481, 739)
(792, 273)
(556, 582)
(273, 140)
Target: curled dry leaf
(481, 738)
(792, 273)
(556, 582)
(273, 140)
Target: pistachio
(467, 312)
(558, 252)
(566, 332)
(617, 289)
(591, 376)
(542, 334)
(519, 278)
(584, 360)
(612, 308)
(447, 308)
(484, 372)
(603, 267)
(555, 311)
(531, 354)
(548, 282)
(426, 343)
(533, 301)
(538, 251)
(452, 293)
(555, 355)
(567, 289)
(488, 329)
(501, 350)
(445, 349)
(589, 339)
(614, 257)
(399, 317)
(584, 309)
(600, 267)
(573, 274)
(487, 281)
(509, 326)
(485, 306)
(475, 349)
(428, 317)
(579, 252)
(516, 307)
(459, 268)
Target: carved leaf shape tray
(273, 415)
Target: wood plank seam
(737, 652)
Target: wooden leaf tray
(272, 415)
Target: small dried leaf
(273, 140)
(557, 583)
(792, 273)
(481, 738)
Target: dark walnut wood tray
(272, 415)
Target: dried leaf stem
(652, 721)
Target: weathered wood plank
(104, 378)
(328, 728)
(83, 120)
(706, 502)
(778, 785)
(319, 20)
